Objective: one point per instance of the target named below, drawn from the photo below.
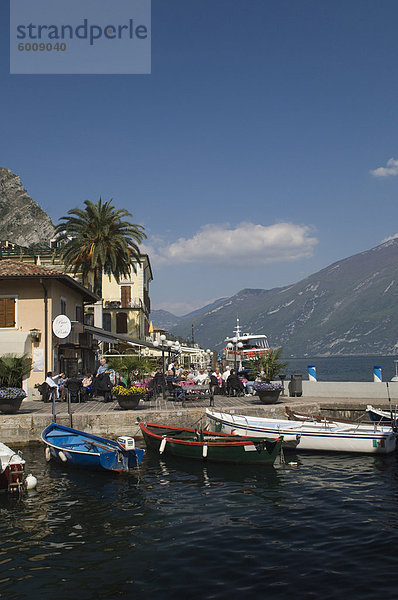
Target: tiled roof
(15, 268)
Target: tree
(98, 239)
(131, 366)
(13, 369)
(271, 363)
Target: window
(63, 306)
(121, 322)
(89, 319)
(7, 312)
(79, 313)
(106, 321)
(125, 295)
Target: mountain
(166, 320)
(347, 308)
(22, 221)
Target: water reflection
(204, 530)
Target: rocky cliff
(22, 221)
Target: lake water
(326, 527)
(342, 368)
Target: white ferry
(244, 346)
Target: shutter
(7, 312)
(125, 291)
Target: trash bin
(296, 385)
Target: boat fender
(30, 482)
(162, 445)
(47, 454)
(62, 456)
(204, 450)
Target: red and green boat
(199, 444)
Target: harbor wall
(350, 389)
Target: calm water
(343, 368)
(324, 528)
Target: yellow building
(126, 305)
(31, 297)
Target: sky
(261, 148)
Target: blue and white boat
(325, 436)
(79, 449)
(378, 415)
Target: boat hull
(212, 448)
(377, 415)
(325, 437)
(12, 469)
(83, 450)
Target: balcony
(135, 303)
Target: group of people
(80, 389)
(226, 383)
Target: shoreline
(109, 420)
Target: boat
(244, 346)
(378, 415)
(324, 436)
(294, 415)
(200, 444)
(12, 471)
(79, 449)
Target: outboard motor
(126, 442)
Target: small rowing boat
(210, 446)
(378, 415)
(309, 435)
(79, 449)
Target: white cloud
(390, 169)
(247, 244)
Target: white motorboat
(324, 436)
(244, 346)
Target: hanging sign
(62, 326)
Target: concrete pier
(340, 399)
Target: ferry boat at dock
(244, 346)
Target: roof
(13, 269)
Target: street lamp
(234, 344)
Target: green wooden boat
(209, 445)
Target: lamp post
(234, 344)
(162, 347)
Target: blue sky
(250, 153)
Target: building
(31, 297)
(126, 305)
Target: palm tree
(271, 363)
(98, 240)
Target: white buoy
(62, 456)
(204, 450)
(162, 445)
(47, 454)
(30, 482)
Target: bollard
(377, 376)
(312, 373)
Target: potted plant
(270, 366)
(128, 397)
(13, 369)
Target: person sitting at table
(201, 378)
(87, 383)
(172, 385)
(234, 384)
(217, 382)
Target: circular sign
(62, 326)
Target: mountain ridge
(348, 307)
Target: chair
(74, 389)
(46, 392)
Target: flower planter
(129, 402)
(268, 396)
(11, 399)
